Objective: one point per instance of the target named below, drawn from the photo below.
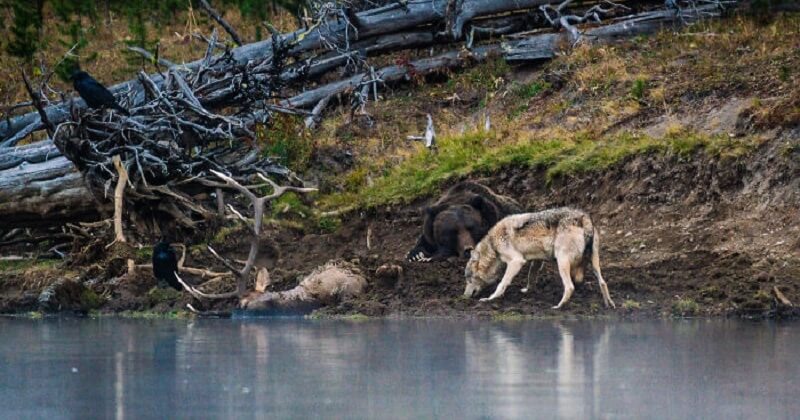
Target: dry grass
(30, 275)
(581, 112)
(106, 57)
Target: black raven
(95, 94)
(165, 264)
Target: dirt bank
(679, 236)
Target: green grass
(639, 89)
(458, 156)
(685, 307)
(530, 90)
(144, 253)
(148, 315)
(356, 317)
(510, 316)
(328, 224)
(631, 305)
(17, 266)
(289, 205)
(90, 300)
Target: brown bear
(459, 220)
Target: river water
(293, 368)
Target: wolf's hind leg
(530, 268)
(596, 268)
(564, 268)
(512, 268)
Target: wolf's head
(482, 269)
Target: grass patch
(149, 315)
(287, 141)
(631, 305)
(639, 89)
(90, 300)
(289, 205)
(328, 224)
(224, 232)
(158, 295)
(35, 315)
(423, 172)
(510, 316)
(487, 77)
(685, 307)
(530, 90)
(356, 317)
(145, 253)
(18, 266)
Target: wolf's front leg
(512, 268)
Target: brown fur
(459, 219)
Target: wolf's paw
(524, 290)
(486, 299)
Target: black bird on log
(95, 94)
(165, 265)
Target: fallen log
(531, 48)
(32, 153)
(43, 193)
(391, 18)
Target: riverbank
(688, 162)
(682, 235)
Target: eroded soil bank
(681, 235)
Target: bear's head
(458, 228)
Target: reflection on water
(108, 368)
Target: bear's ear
(434, 210)
(477, 202)
(489, 212)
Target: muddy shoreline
(697, 237)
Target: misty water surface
(292, 368)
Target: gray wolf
(459, 219)
(564, 234)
